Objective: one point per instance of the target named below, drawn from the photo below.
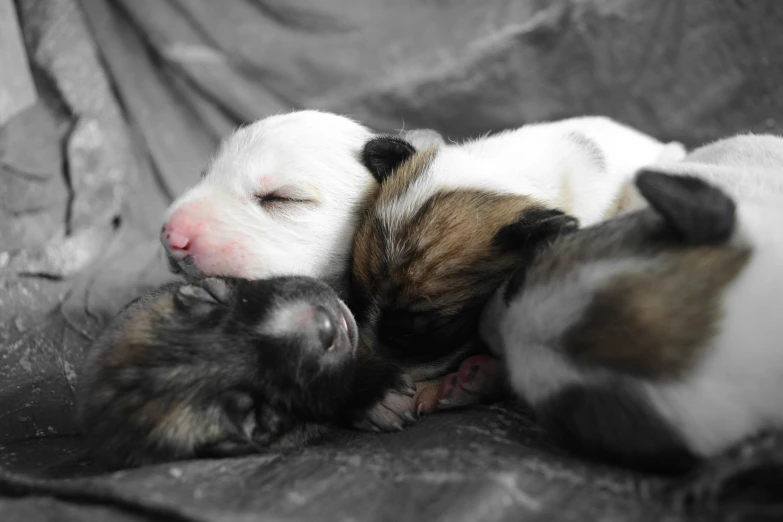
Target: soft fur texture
(221, 367)
(451, 221)
(281, 196)
(653, 339)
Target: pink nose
(179, 233)
(177, 240)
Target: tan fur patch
(139, 333)
(183, 426)
(655, 324)
(399, 183)
(444, 256)
(367, 255)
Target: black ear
(535, 226)
(700, 212)
(382, 155)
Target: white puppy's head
(280, 196)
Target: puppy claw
(393, 412)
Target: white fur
(289, 318)
(307, 155)
(543, 161)
(736, 390)
(747, 167)
(525, 332)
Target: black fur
(534, 230)
(698, 211)
(535, 226)
(611, 422)
(424, 337)
(382, 155)
(515, 283)
(210, 351)
(373, 379)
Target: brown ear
(698, 211)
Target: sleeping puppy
(450, 222)
(222, 367)
(281, 196)
(653, 340)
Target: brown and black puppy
(222, 367)
(450, 222)
(425, 261)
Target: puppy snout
(325, 327)
(176, 235)
(177, 240)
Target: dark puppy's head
(221, 367)
(423, 271)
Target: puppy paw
(393, 411)
(478, 378)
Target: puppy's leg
(478, 378)
(381, 395)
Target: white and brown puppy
(281, 196)
(654, 339)
(450, 222)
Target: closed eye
(274, 198)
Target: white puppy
(653, 339)
(280, 196)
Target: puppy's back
(676, 307)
